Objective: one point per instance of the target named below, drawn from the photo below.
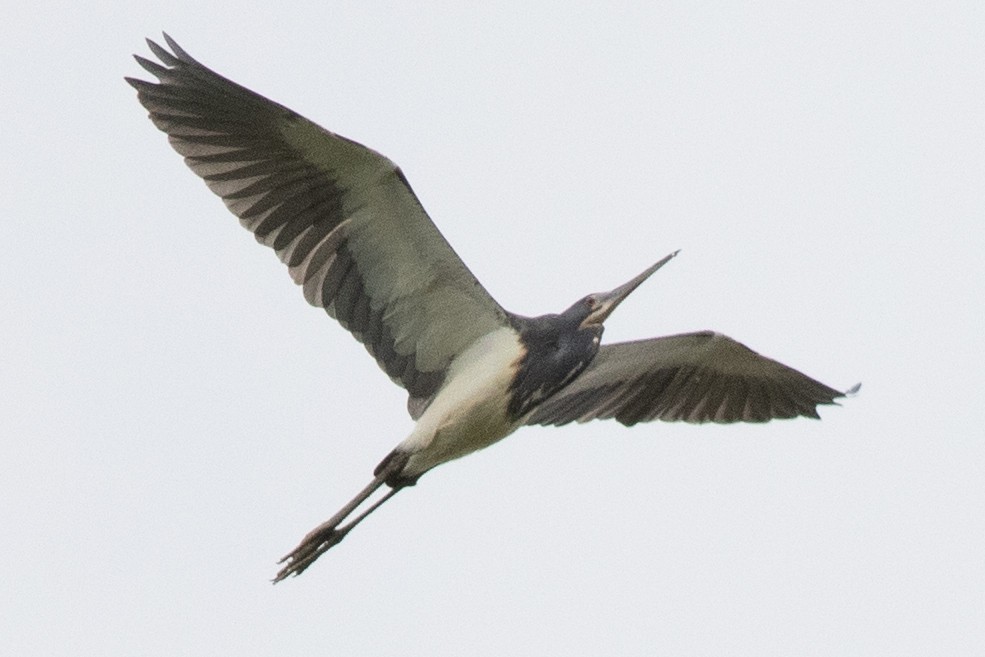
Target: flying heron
(344, 220)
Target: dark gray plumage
(345, 221)
(693, 377)
(324, 203)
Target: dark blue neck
(557, 351)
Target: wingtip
(851, 392)
(180, 52)
(176, 55)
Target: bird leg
(330, 533)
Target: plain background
(175, 417)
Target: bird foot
(331, 532)
(313, 546)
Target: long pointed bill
(606, 302)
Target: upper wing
(342, 218)
(694, 377)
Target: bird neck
(555, 353)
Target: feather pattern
(692, 377)
(342, 217)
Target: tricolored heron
(344, 220)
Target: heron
(353, 234)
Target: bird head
(595, 308)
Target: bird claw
(305, 554)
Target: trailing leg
(331, 532)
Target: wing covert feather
(342, 217)
(692, 377)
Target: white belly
(470, 410)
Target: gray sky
(175, 417)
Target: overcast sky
(175, 418)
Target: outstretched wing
(693, 377)
(342, 218)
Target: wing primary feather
(714, 400)
(692, 377)
(345, 298)
(334, 278)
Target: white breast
(470, 410)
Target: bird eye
(591, 301)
